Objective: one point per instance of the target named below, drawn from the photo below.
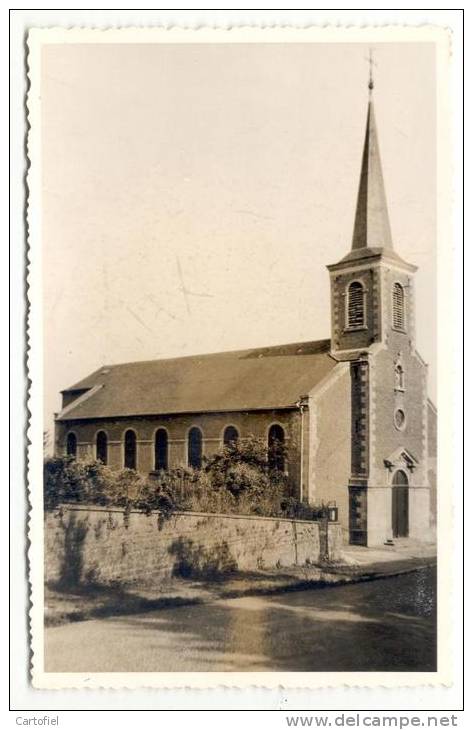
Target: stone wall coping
(121, 510)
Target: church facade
(352, 410)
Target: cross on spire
(372, 63)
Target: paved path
(381, 625)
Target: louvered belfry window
(398, 307)
(356, 305)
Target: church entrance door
(400, 504)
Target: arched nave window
(230, 436)
(194, 448)
(130, 450)
(71, 445)
(276, 439)
(161, 449)
(101, 447)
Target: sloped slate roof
(272, 377)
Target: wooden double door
(400, 504)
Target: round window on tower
(400, 419)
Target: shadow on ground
(374, 626)
(66, 602)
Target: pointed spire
(372, 232)
(372, 229)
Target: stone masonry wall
(93, 545)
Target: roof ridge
(265, 348)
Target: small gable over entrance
(401, 459)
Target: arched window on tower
(230, 436)
(101, 447)
(276, 448)
(399, 315)
(71, 445)
(161, 450)
(355, 305)
(194, 448)
(130, 450)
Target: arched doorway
(400, 504)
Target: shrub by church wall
(177, 426)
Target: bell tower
(364, 300)
(360, 304)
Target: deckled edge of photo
(37, 37)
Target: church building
(352, 410)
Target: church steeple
(373, 335)
(368, 281)
(371, 229)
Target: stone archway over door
(400, 504)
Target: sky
(193, 194)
